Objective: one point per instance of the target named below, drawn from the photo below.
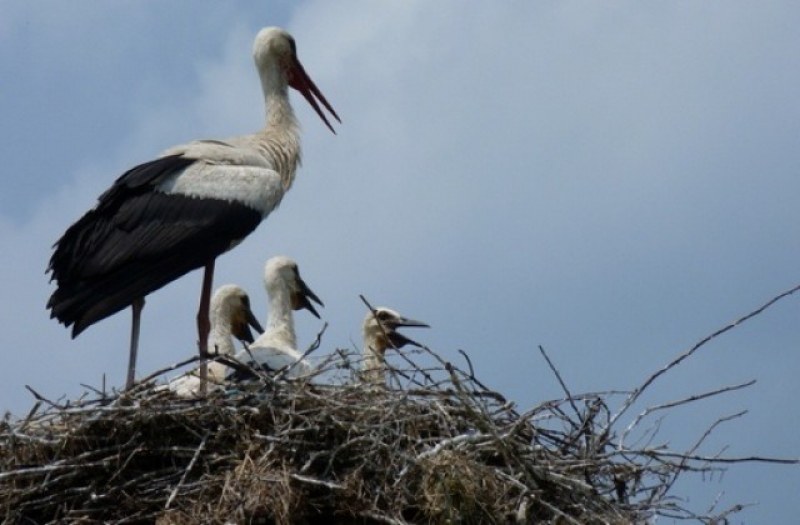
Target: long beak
(252, 321)
(403, 321)
(399, 340)
(242, 330)
(299, 80)
(301, 299)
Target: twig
(714, 459)
(197, 452)
(696, 397)
(560, 381)
(312, 348)
(317, 482)
(170, 368)
(40, 397)
(383, 518)
(638, 391)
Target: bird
(380, 333)
(276, 348)
(179, 212)
(230, 317)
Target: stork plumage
(179, 212)
(230, 317)
(276, 348)
(380, 333)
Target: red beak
(299, 80)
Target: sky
(612, 181)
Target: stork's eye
(292, 45)
(246, 301)
(383, 315)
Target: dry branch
(442, 447)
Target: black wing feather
(137, 240)
(83, 236)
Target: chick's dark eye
(292, 45)
(383, 316)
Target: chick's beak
(399, 340)
(303, 297)
(241, 329)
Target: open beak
(399, 340)
(299, 80)
(252, 321)
(304, 296)
(241, 330)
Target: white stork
(380, 333)
(167, 217)
(276, 348)
(230, 317)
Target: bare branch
(186, 471)
(634, 396)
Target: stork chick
(230, 317)
(380, 333)
(276, 348)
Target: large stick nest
(436, 446)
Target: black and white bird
(231, 317)
(276, 348)
(179, 212)
(380, 333)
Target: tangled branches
(436, 446)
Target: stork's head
(275, 54)
(230, 304)
(281, 274)
(380, 330)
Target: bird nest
(434, 446)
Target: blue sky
(612, 181)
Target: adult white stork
(276, 348)
(380, 333)
(230, 317)
(179, 212)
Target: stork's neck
(280, 115)
(373, 366)
(280, 320)
(280, 139)
(220, 339)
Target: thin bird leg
(136, 309)
(204, 325)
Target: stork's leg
(204, 324)
(136, 309)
